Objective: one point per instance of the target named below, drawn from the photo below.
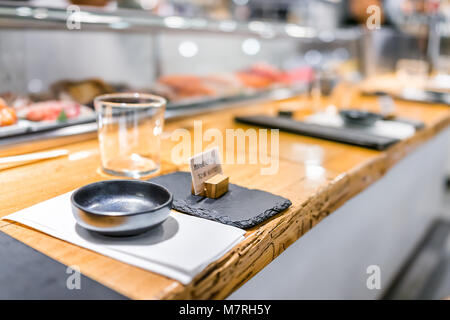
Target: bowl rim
(120, 214)
(156, 101)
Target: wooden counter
(343, 172)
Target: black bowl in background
(358, 117)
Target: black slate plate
(430, 96)
(348, 135)
(27, 274)
(239, 207)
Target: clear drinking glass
(129, 133)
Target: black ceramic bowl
(358, 117)
(121, 207)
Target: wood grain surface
(318, 176)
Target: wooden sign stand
(215, 187)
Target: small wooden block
(216, 186)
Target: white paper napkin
(383, 128)
(180, 248)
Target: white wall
(55, 55)
(120, 58)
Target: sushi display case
(69, 102)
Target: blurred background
(287, 36)
(194, 51)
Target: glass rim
(157, 101)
